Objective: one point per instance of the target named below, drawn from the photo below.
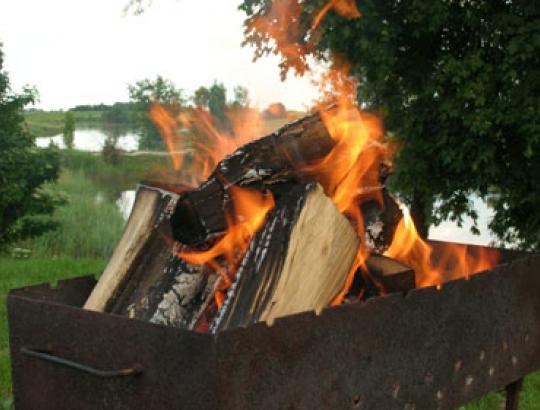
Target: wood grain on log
(297, 262)
(138, 229)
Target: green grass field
(90, 223)
(49, 123)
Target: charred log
(261, 164)
(144, 279)
(266, 164)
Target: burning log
(165, 268)
(383, 275)
(263, 164)
(298, 261)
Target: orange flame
(435, 265)
(281, 25)
(350, 173)
(195, 143)
(344, 8)
(249, 212)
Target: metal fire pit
(427, 349)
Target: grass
(126, 174)
(90, 224)
(49, 123)
(17, 273)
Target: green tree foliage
(120, 113)
(200, 97)
(68, 133)
(110, 151)
(145, 92)
(241, 97)
(217, 101)
(25, 206)
(214, 99)
(458, 85)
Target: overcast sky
(87, 51)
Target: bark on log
(144, 279)
(297, 262)
(261, 164)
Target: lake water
(93, 139)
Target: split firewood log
(298, 261)
(139, 235)
(144, 279)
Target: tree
(145, 92)
(217, 101)
(25, 205)
(457, 84)
(201, 97)
(241, 97)
(69, 130)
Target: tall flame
(195, 143)
(351, 170)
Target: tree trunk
(419, 214)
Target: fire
(434, 266)
(195, 143)
(350, 173)
(344, 8)
(351, 170)
(249, 212)
(281, 25)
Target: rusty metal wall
(178, 367)
(428, 349)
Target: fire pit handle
(49, 357)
